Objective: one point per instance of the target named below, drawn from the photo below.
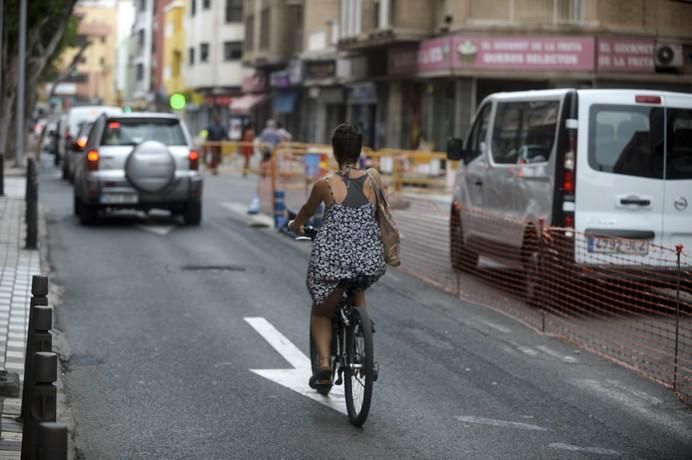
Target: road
(161, 351)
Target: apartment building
(213, 64)
(422, 66)
(273, 40)
(174, 47)
(142, 53)
(95, 75)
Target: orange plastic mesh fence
(622, 299)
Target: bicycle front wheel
(359, 367)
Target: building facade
(143, 52)
(213, 59)
(174, 46)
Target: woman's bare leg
(321, 325)
(359, 299)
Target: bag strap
(377, 183)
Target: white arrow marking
(500, 423)
(590, 450)
(295, 379)
(161, 230)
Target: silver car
(138, 161)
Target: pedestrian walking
(246, 148)
(269, 139)
(216, 132)
(283, 133)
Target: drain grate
(216, 268)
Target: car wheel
(460, 256)
(75, 204)
(192, 214)
(88, 214)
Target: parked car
(138, 161)
(614, 165)
(69, 125)
(48, 138)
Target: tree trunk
(7, 102)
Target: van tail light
(194, 160)
(569, 220)
(568, 166)
(92, 160)
(644, 99)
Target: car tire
(192, 214)
(75, 204)
(461, 257)
(65, 172)
(88, 214)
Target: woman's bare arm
(310, 207)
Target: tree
(47, 22)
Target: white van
(70, 123)
(614, 165)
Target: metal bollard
(43, 402)
(31, 205)
(43, 341)
(52, 441)
(279, 209)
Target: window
(475, 145)
(264, 29)
(234, 10)
(232, 51)
(524, 131)
(140, 72)
(191, 56)
(133, 131)
(626, 140)
(679, 142)
(142, 5)
(193, 7)
(206, 4)
(250, 33)
(203, 52)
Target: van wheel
(532, 261)
(461, 257)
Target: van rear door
(620, 188)
(677, 208)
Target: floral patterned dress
(348, 245)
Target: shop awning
(285, 101)
(243, 104)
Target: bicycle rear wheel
(359, 367)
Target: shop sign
(279, 79)
(218, 100)
(523, 53)
(626, 55)
(295, 72)
(434, 54)
(320, 70)
(363, 93)
(255, 83)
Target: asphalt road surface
(168, 329)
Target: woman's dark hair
(347, 142)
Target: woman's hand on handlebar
(297, 230)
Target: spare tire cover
(150, 167)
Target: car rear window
(679, 136)
(132, 131)
(627, 140)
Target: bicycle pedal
(339, 381)
(372, 326)
(375, 371)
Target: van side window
(478, 134)
(679, 142)
(626, 140)
(524, 131)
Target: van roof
(594, 92)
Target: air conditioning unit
(669, 55)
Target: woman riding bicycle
(348, 245)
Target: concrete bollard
(31, 205)
(43, 402)
(44, 341)
(52, 441)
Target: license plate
(618, 246)
(119, 198)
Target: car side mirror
(455, 149)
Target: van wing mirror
(455, 149)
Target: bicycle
(352, 358)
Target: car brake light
(569, 220)
(82, 142)
(114, 125)
(92, 160)
(194, 160)
(641, 99)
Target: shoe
(324, 376)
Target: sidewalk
(17, 266)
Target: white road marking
(588, 450)
(161, 230)
(500, 423)
(528, 351)
(555, 354)
(254, 220)
(495, 326)
(295, 379)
